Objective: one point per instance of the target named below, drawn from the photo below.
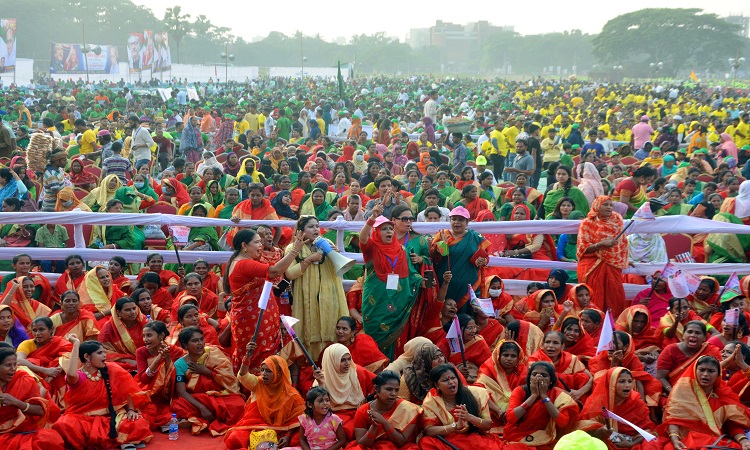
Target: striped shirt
(52, 182)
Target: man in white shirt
(344, 124)
(403, 97)
(140, 149)
(431, 107)
(601, 138)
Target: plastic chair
(94, 171)
(80, 193)
(705, 178)
(221, 158)
(678, 244)
(628, 160)
(162, 208)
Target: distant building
(419, 38)
(743, 22)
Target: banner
(70, 58)
(134, 52)
(162, 61)
(141, 51)
(7, 45)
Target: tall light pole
(302, 57)
(735, 63)
(227, 57)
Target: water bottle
(173, 428)
(148, 319)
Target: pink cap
(644, 119)
(103, 133)
(380, 221)
(460, 211)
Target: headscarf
(521, 206)
(666, 171)
(534, 301)
(243, 171)
(561, 276)
(320, 211)
(651, 160)
(103, 193)
(728, 145)
(83, 177)
(278, 401)
(381, 149)
(647, 248)
(359, 167)
(424, 160)
(275, 156)
(648, 337)
(130, 201)
(91, 291)
(209, 163)
(147, 190)
(213, 199)
(387, 252)
(595, 229)
(411, 348)
(417, 375)
(21, 161)
(591, 182)
(412, 151)
(228, 209)
(742, 201)
(180, 196)
(229, 169)
(347, 153)
(191, 136)
(343, 388)
(604, 395)
(282, 210)
(68, 194)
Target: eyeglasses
(406, 219)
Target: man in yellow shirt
(253, 119)
(88, 144)
(742, 131)
(240, 127)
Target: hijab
(230, 169)
(742, 201)
(359, 166)
(417, 375)
(180, 196)
(130, 201)
(103, 193)
(667, 171)
(282, 210)
(320, 211)
(213, 199)
(209, 163)
(278, 402)
(67, 194)
(561, 276)
(343, 387)
(591, 182)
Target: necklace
(94, 378)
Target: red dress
(160, 387)
(533, 429)
(401, 416)
(65, 283)
(18, 431)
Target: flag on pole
(454, 336)
(644, 212)
(341, 83)
(733, 284)
(442, 248)
(693, 76)
(646, 435)
(606, 341)
(265, 295)
(289, 322)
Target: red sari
(25, 310)
(84, 326)
(492, 332)
(207, 304)
(246, 279)
(246, 211)
(48, 356)
(121, 342)
(27, 432)
(601, 363)
(647, 340)
(570, 371)
(500, 383)
(632, 409)
(403, 415)
(166, 277)
(533, 309)
(160, 387)
(65, 283)
(86, 422)
(536, 428)
(476, 205)
(676, 362)
(219, 393)
(602, 270)
(476, 351)
(365, 353)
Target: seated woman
(173, 192)
(11, 330)
(471, 200)
(616, 391)
(528, 246)
(518, 197)
(591, 322)
(564, 188)
(117, 268)
(387, 422)
(123, 335)
(169, 279)
(476, 351)
(541, 309)
(201, 238)
(362, 347)
(488, 328)
(207, 301)
(115, 236)
(207, 393)
(636, 321)
(142, 297)
(160, 295)
(458, 413)
(70, 279)
(701, 408)
(415, 380)
(570, 371)
(623, 355)
(98, 394)
(275, 404)
(730, 333)
(156, 372)
(502, 301)
(71, 319)
(729, 300)
(655, 299)
(672, 325)
(42, 356)
(188, 315)
(98, 294)
(549, 411)
(735, 358)
(533, 196)
(19, 296)
(575, 341)
(347, 383)
(80, 177)
(100, 196)
(25, 411)
(502, 373)
(675, 359)
(705, 298)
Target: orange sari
(121, 342)
(93, 297)
(84, 326)
(499, 383)
(25, 310)
(401, 416)
(49, 356)
(533, 309)
(647, 340)
(536, 428)
(600, 364)
(246, 211)
(160, 387)
(571, 373)
(19, 431)
(64, 283)
(476, 351)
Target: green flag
(341, 83)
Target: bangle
(28, 405)
(674, 434)
(370, 221)
(738, 440)
(367, 434)
(150, 372)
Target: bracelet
(150, 372)
(367, 434)
(28, 405)
(741, 438)
(676, 434)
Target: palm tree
(178, 26)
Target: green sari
(725, 247)
(682, 209)
(458, 261)
(505, 211)
(320, 211)
(418, 203)
(211, 199)
(554, 195)
(494, 195)
(125, 237)
(358, 269)
(131, 203)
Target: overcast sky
(344, 18)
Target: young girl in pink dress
(321, 428)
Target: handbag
(21, 238)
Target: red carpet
(204, 441)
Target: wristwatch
(545, 400)
(454, 425)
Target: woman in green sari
(446, 190)
(231, 199)
(142, 184)
(418, 202)
(727, 247)
(518, 197)
(316, 205)
(130, 198)
(564, 188)
(493, 194)
(202, 238)
(676, 206)
(385, 311)
(213, 195)
(115, 236)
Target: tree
(680, 38)
(178, 25)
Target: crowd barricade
(671, 224)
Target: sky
(344, 18)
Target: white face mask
(360, 158)
(495, 292)
(68, 203)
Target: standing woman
(601, 259)
(319, 298)
(24, 410)
(98, 394)
(244, 279)
(386, 311)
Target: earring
(88, 364)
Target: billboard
(162, 61)
(70, 59)
(141, 51)
(7, 45)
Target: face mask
(495, 292)
(360, 158)
(139, 184)
(68, 203)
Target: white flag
(606, 337)
(265, 295)
(454, 336)
(644, 212)
(289, 322)
(646, 435)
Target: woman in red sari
(245, 277)
(207, 393)
(173, 192)
(80, 177)
(18, 295)
(476, 349)
(471, 201)
(542, 309)
(42, 356)
(363, 348)
(675, 359)
(572, 375)
(98, 394)
(275, 404)
(575, 341)
(188, 315)
(387, 422)
(98, 294)
(636, 321)
(207, 301)
(169, 279)
(117, 266)
(25, 411)
(142, 297)
(160, 296)
(601, 258)
(672, 325)
(615, 391)
(123, 335)
(701, 408)
(72, 320)
(488, 327)
(502, 373)
(348, 384)
(71, 279)
(623, 355)
(538, 246)
(254, 208)
(502, 302)
(211, 280)
(705, 299)
(458, 413)
(539, 413)
(156, 373)
(734, 364)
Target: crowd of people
(412, 355)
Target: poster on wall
(7, 45)
(71, 59)
(162, 61)
(134, 52)
(148, 49)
